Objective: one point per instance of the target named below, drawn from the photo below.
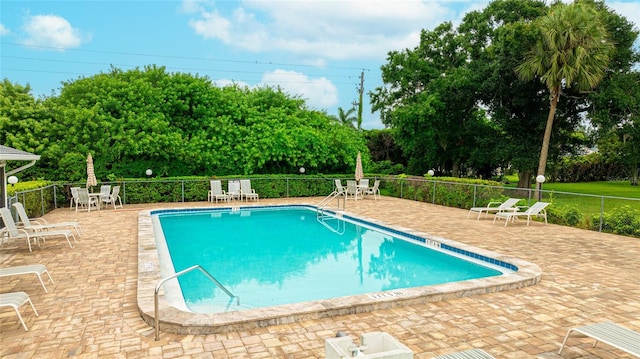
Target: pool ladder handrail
(175, 275)
(325, 201)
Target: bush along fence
(609, 214)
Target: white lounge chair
(37, 269)
(15, 300)
(12, 231)
(40, 224)
(216, 192)
(467, 354)
(233, 189)
(246, 191)
(375, 190)
(111, 198)
(613, 334)
(495, 207)
(537, 210)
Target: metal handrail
(175, 275)
(320, 206)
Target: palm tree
(572, 50)
(346, 117)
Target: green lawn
(608, 188)
(589, 205)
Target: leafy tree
(176, 124)
(428, 99)
(572, 50)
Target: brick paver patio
(91, 310)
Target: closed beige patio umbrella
(91, 175)
(359, 172)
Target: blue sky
(316, 49)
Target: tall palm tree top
(572, 48)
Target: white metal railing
(175, 275)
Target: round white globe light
(12, 180)
(540, 179)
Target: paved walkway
(91, 309)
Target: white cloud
(4, 30)
(51, 31)
(322, 29)
(630, 10)
(317, 92)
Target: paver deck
(91, 310)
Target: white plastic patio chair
(375, 190)
(84, 201)
(111, 198)
(246, 191)
(105, 194)
(233, 189)
(352, 190)
(216, 192)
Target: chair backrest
(352, 187)
(74, 192)
(105, 192)
(245, 186)
(364, 182)
(509, 203)
(216, 187)
(115, 193)
(233, 187)
(22, 214)
(9, 223)
(83, 196)
(376, 184)
(339, 187)
(537, 207)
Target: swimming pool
(271, 256)
(179, 319)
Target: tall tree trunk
(544, 151)
(524, 181)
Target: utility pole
(360, 93)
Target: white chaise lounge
(38, 224)
(467, 354)
(537, 210)
(15, 300)
(613, 334)
(37, 269)
(495, 207)
(13, 232)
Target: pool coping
(173, 320)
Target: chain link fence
(600, 213)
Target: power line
(183, 57)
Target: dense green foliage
(457, 105)
(175, 124)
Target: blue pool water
(281, 255)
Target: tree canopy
(174, 123)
